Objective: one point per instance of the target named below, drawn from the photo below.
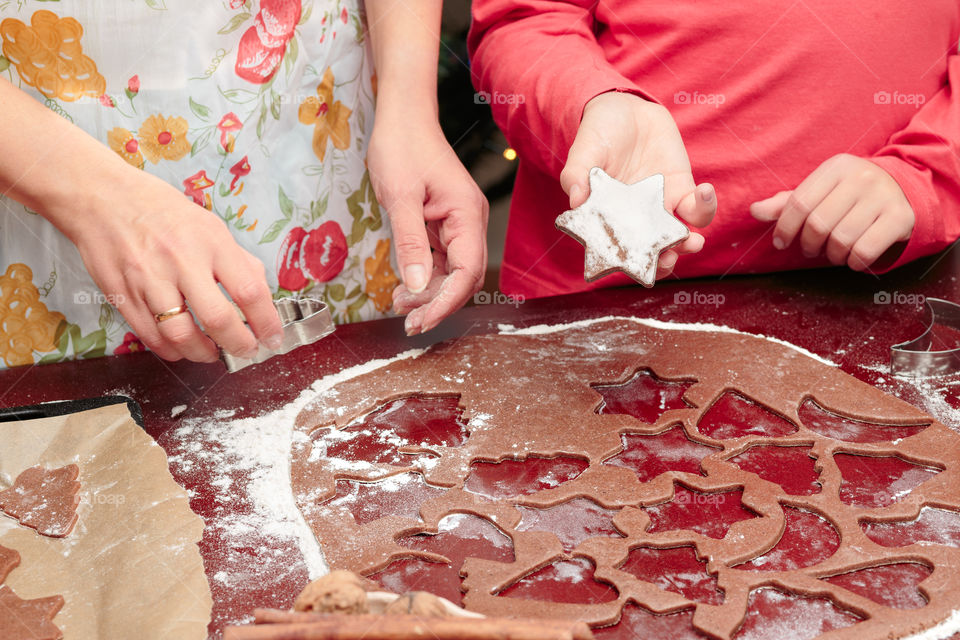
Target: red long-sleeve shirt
(762, 91)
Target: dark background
(471, 131)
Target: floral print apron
(258, 110)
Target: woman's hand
(433, 203)
(631, 138)
(430, 198)
(145, 244)
(149, 249)
(848, 207)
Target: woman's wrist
(90, 193)
(407, 100)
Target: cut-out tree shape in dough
(772, 613)
(650, 455)
(408, 424)
(709, 514)
(538, 446)
(399, 495)
(879, 481)
(735, 416)
(44, 499)
(807, 540)
(933, 526)
(570, 581)
(831, 425)
(677, 570)
(892, 585)
(572, 522)
(511, 478)
(28, 619)
(458, 536)
(638, 623)
(790, 467)
(644, 396)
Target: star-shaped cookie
(624, 227)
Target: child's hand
(631, 138)
(849, 204)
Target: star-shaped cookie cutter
(920, 357)
(305, 320)
(623, 227)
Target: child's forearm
(405, 36)
(52, 166)
(924, 159)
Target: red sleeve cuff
(598, 81)
(928, 236)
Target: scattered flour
(942, 631)
(258, 449)
(542, 329)
(177, 410)
(931, 392)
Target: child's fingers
(666, 263)
(849, 231)
(692, 244)
(575, 177)
(699, 206)
(668, 259)
(825, 218)
(804, 199)
(888, 229)
(769, 210)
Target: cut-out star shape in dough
(624, 227)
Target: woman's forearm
(50, 165)
(405, 36)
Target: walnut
(418, 603)
(336, 592)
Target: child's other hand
(848, 205)
(631, 138)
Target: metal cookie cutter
(921, 356)
(305, 320)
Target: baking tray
(64, 407)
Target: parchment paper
(131, 565)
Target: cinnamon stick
(278, 616)
(372, 627)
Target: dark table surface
(849, 318)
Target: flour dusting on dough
(543, 329)
(260, 446)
